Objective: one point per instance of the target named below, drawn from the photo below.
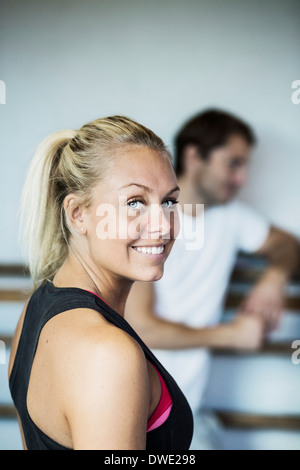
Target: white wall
(65, 62)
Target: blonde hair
(67, 162)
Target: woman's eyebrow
(173, 190)
(145, 188)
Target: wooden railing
(258, 421)
(229, 419)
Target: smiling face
(132, 221)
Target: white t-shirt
(195, 280)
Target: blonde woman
(98, 213)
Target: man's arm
(245, 332)
(283, 252)
(266, 299)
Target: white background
(66, 62)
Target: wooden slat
(252, 274)
(276, 348)
(233, 419)
(14, 270)
(229, 419)
(248, 268)
(281, 348)
(7, 340)
(234, 300)
(7, 411)
(14, 295)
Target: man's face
(220, 177)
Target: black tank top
(46, 302)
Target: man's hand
(266, 300)
(247, 332)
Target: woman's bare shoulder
(82, 338)
(104, 378)
(85, 327)
(77, 330)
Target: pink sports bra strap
(163, 408)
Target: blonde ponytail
(42, 242)
(69, 162)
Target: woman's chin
(150, 276)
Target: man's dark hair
(207, 131)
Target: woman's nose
(159, 221)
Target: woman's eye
(169, 203)
(138, 205)
(135, 204)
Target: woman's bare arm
(106, 392)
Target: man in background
(179, 315)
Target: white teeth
(155, 250)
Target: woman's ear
(74, 213)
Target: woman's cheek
(174, 224)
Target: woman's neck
(78, 273)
